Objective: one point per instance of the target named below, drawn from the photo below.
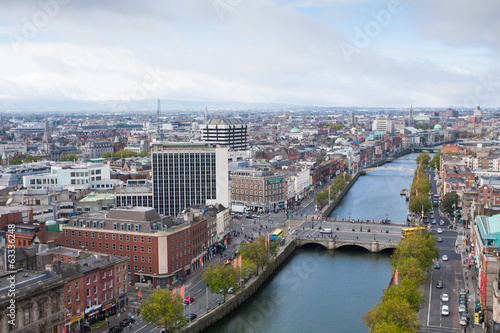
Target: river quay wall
(251, 287)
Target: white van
(326, 231)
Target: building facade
(185, 175)
(230, 132)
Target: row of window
(113, 236)
(106, 246)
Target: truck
(240, 209)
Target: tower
(158, 125)
(205, 117)
(47, 137)
(411, 115)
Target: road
(450, 273)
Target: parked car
(127, 321)
(439, 284)
(445, 310)
(230, 290)
(115, 329)
(461, 308)
(191, 316)
(463, 319)
(188, 300)
(248, 216)
(444, 297)
(445, 257)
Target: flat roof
(98, 196)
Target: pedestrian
(219, 303)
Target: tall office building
(189, 174)
(231, 132)
(383, 124)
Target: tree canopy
(425, 159)
(68, 158)
(125, 153)
(32, 158)
(421, 246)
(257, 253)
(162, 310)
(450, 202)
(220, 279)
(435, 162)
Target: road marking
(429, 302)
(140, 328)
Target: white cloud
(259, 51)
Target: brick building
(159, 249)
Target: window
(77, 285)
(88, 281)
(142, 249)
(150, 260)
(69, 288)
(77, 297)
(150, 250)
(142, 258)
(69, 299)
(41, 309)
(27, 317)
(95, 278)
(135, 258)
(95, 290)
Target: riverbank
(251, 287)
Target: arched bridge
(389, 168)
(335, 243)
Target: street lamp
(387, 217)
(349, 212)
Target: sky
(308, 52)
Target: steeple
(411, 114)
(47, 137)
(205, 118)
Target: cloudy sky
(312, 52)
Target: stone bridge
(389, 168)
(335, 243)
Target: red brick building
(159, 249)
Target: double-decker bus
(435, 200)
(408, 231)
(276, 234)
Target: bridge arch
(354, 245)
(390, 168)
(312, 243)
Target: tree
(408, 290)
(162, 310)
(220, 279)
(393, 314)
(31, 158)
(450, 202)
(435, 162)
(410, 268)
(69, 158)
(421, 246)
(257, 253)
(415, 205)
(425, 159)
(15, 161)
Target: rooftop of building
(98, 196)
(23, 278)
(225, 121)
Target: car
(232, 257)
(191, 316)
(227, 262)
(439, 231)
(255, 216)
(463, 319)
(462, 291)
(230, 290)
(439, 284)
(115, 329)
(433, 221)
(439, 240)
(441, 222)
(326, 231)
(248, 216)
(445, 257)
(127, 321)
(188, 300)
(249, 240)
(444, 297)
(437, 265)
(445, 310)
(461, 308)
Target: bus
(276, 234)
(409, 231)
(435, 200)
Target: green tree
(421, 246)
(322, 198)
(410, 268)
(69, 158)
(408, 290)
(425, 159)
(415, 205)
(220, 279)
(162, 310)
(450, 202)
(435, 162)
(257, 253)
(123, 153)
(32, 158)
(393, 314)
(15, 161)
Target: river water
(325, 291)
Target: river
(324, 291)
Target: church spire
(47, 137)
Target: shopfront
(109, 308)
(94, 314)
(123, 301)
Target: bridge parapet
(332, 243)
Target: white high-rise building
(186, 175)
(383, 124)
(231, 132)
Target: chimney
(49, 267)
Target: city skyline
(318, 53)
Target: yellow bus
(276, 234)
(408, 231)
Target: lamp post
(349, 212)
(386, 217)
